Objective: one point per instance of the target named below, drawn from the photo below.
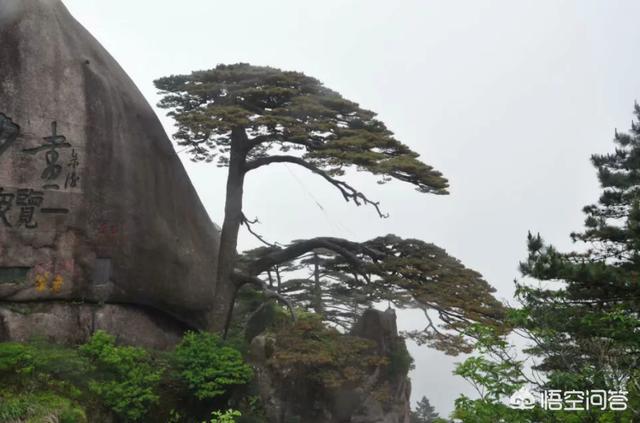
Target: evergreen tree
(249, 117)
(584, 317)
(424, 412)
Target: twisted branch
(348, 192)
(246, 222)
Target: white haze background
(507, 98)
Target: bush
(46, 382)
(39, 407)
(15, 358)
(209, 367)
(128, 379)
(228, 416)
(12, 409)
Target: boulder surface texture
(95, 206)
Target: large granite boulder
(95, 206)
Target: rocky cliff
(313, 376)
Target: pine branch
(348, 192)
(347, 249)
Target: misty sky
(507, 98)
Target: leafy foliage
(495, 370)
(130, 378)
(97, 380)
(496, 373)
(36, 383)
(208, 366)
(228, 416)
(15, 358)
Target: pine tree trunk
(227, 255)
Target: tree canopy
(409, 273)
(288, 112)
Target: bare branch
(246, 222)
(430, 324)
(348, 192)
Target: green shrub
(39, 407)
(12, 409)
(46, 382)
(228, 416)
(127, 379)
(209, 367)
(72, 415)
(15, 358)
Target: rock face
(66, 324)
(383, 397)
(95, 205)
(381, 328)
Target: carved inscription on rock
(57, 161)
(53, 169)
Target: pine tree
(424, 412)
(585, 316)
(247, 117)
(581, 316)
